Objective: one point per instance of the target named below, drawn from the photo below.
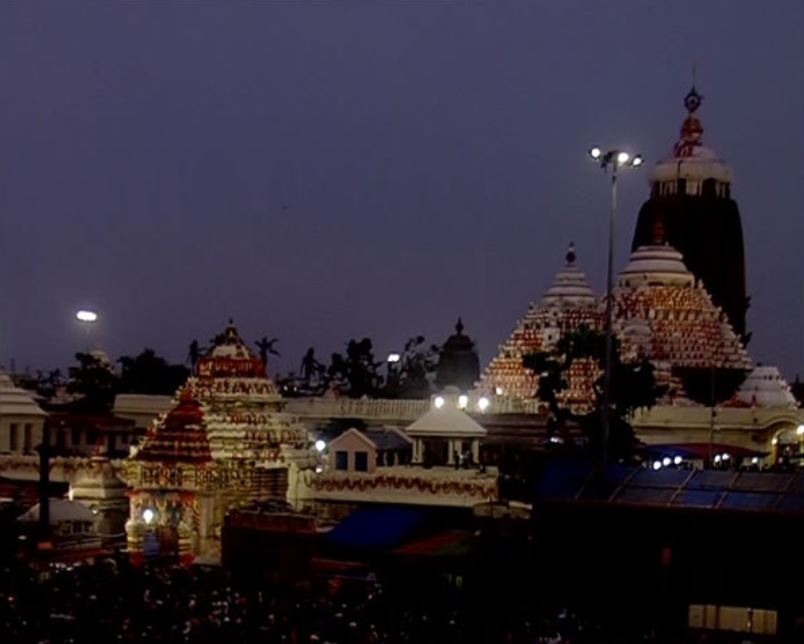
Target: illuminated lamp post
(615, 160)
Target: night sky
(322, 171)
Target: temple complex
(691, 192)
(226, 443)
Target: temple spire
(570, 256)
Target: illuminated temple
(679, 303)
(664, 314)
(226, 443)
(567, 305)
(691, 193)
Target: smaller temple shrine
(458, 362)
(225, 444)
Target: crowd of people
(110, 602)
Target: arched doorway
(787, 445)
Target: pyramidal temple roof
(567, 305)
(230, 370)
(659, 305)
(765, 387)
(15, 401)
(179, 436)
(570, 288)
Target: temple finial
(692, 101)
(459, 326)
(570, 256)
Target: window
(76, 437)
(92, 437)
(682, 186)
(27, 438)
(341, 460)
(709, 188)
(361, 461)
(13, 439)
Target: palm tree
(194, 353)
(266, 347)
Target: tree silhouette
(94, 381)
(633, 387)
(148, 373)
(48, 385)
(266, 347)
(194, 354)
(357, 371)
(312, 372)
(413, 375)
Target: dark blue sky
(331, 170)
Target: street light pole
(605, 429)
(615, 159)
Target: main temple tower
(691, 198)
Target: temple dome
(656, 265)
(180, 435)
(570, 288)
(765, 387)
(458, 362)
(691, 160)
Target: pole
(606, 410)
(44, 484)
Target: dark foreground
(113, 602)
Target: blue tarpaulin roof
(677, 488)
(376, 528)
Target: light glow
(438, 402)
(148, 515)
(463, 400)
(483, 404)
(622, 158)
(393, 358)
(677, 460)
(85, 315)
(636, 161)
(657, 465)
(774, 441)
(800, 430)
(498, 391)
(320, 445)
(595, 152)
(666, 461)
